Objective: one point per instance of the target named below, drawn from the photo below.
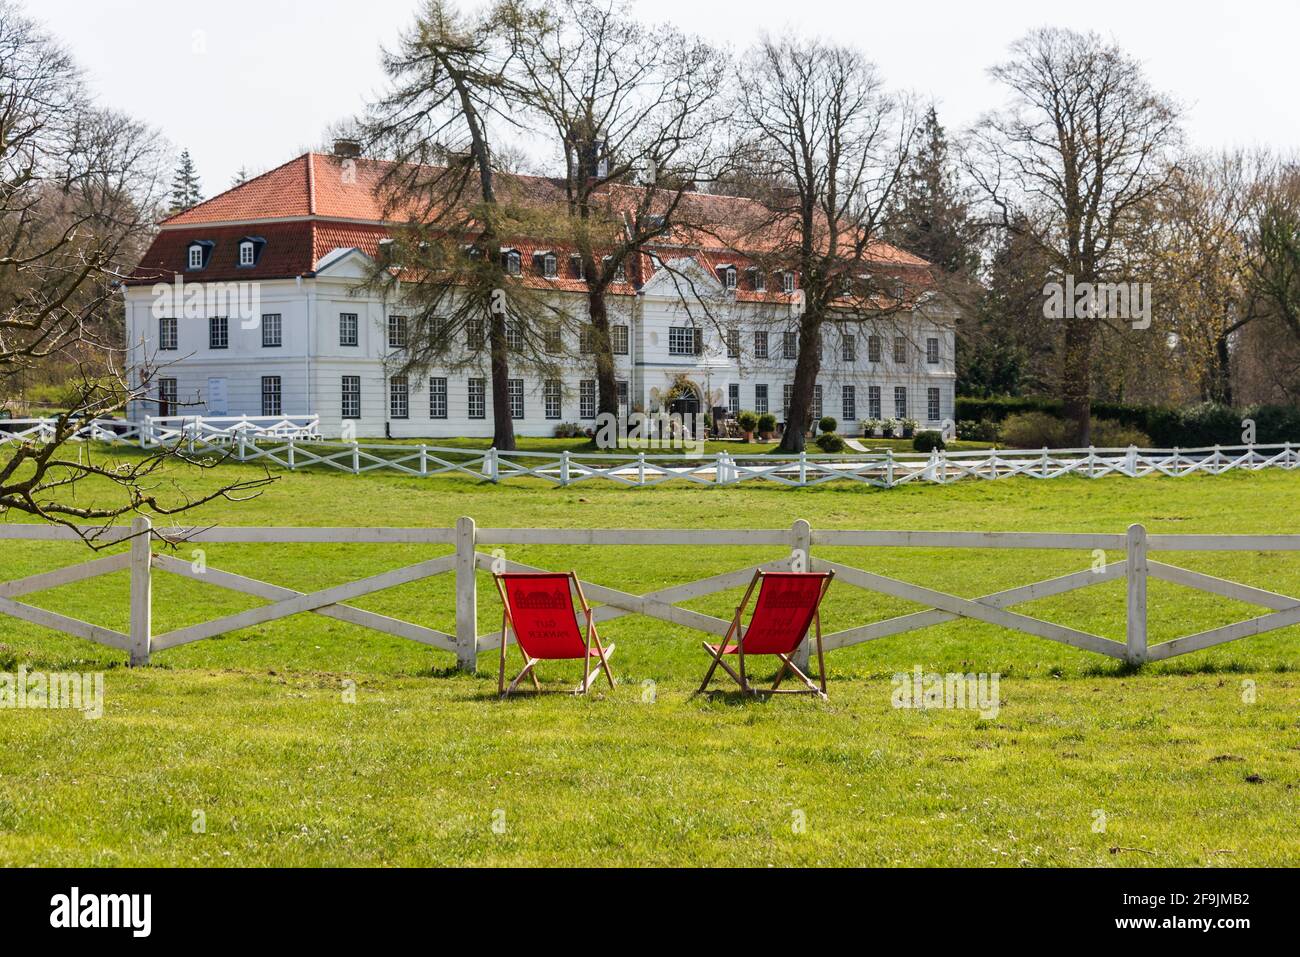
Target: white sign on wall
(218, 404)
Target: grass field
(257, 734)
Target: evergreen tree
(930, 215)
(240, 178)
(185, 184)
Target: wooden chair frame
(590, 673)
(719, 651)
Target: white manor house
(295, 244)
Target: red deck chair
(788, 605)
(539, 610)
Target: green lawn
(259, 733)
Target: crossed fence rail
(295, 442)
(143, 558)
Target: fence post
(494, 470)
(801, 554)
(803, 468)
(424, 460)
(291, 458)
(889, 468)
(564, 468)
(1136, 570)
(466, 596)
(141, 590)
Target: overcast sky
(252, 82)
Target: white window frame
(272, 330)
(874, 407)
(397, 331)
(168, 334)
(247, 253)
(848, 404)
(760, 397)
(789, 345)
(587, 399)
(900, 401)
(618, 338)
(678, 347)
(933, 400)
(932, 351)
(194, 257)
(273, 390)
(437, 397)
(218, 332)
(552, 392)
(399, 397)
(760, 351)
(476, 399)
(350, 397)
(349, 321)
(515, 394)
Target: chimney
(347, 149)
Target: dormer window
(198, 253)
(575, 265)
(787, 282)
(619, 274)
(546, 263)
(757, 279)
(250, 250)
(727, 276)
(510, 261)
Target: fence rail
(1136, 568)
(295, 442)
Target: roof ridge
(224, 192)
(311, 183)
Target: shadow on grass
(1125, 670)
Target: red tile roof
(334, 203)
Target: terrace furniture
(788, 604)
(538, 609)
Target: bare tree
(78, 187)
(833, 145)
(1083, 145)
(628, 105)
(447, 260)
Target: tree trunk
(799, 415)
(1076, 377)
(1221, 384)
(606, 384)
(503, 426)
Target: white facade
(305, 372)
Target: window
(554, 339)
(546, 263)
(873, 348)
(757, 279)
(849, 349)
(347, 328)
(932, 351)
(575, 266)
(900, 402)
(399, 398)
(733, 343)
(397, 332)
(620, 386)
(247, 253)
(848, 403)
(787, 282)
(618, 337)
(195, 260)
(760, 398)
(218, 333)
(476, 400)
(760, 345)
(438, 397)
(167, 338)
(515, 335)
(733, 398)
(790, 345)
(900, 350)
(787, 393)
(587, 341)
(551, 398)
(817, 402)
(683, 341)
(510, 261)
(475, 334)
(167, 401)
(515, 390)
(272, 337)
(873, 402)
(587, 399)
(270, 395)
(932, 405)
(620, 274)
(351, 397)
(727, 274)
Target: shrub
(748, 421)
(1209, 424)
(985, 430)
(1034, 430)
(568, 430)
(1109, 434)
(767, 423)
(830, 442)
(827, 424)
(928, 441)
(1273, 423)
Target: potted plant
(870, 427)
(909, 428)
(766, 426)
(748, 421)
(888, 428)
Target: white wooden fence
(147, 554)
(295, 442)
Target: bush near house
(828, 423)
(1194, 426)
(829, 442)
(928, 441)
